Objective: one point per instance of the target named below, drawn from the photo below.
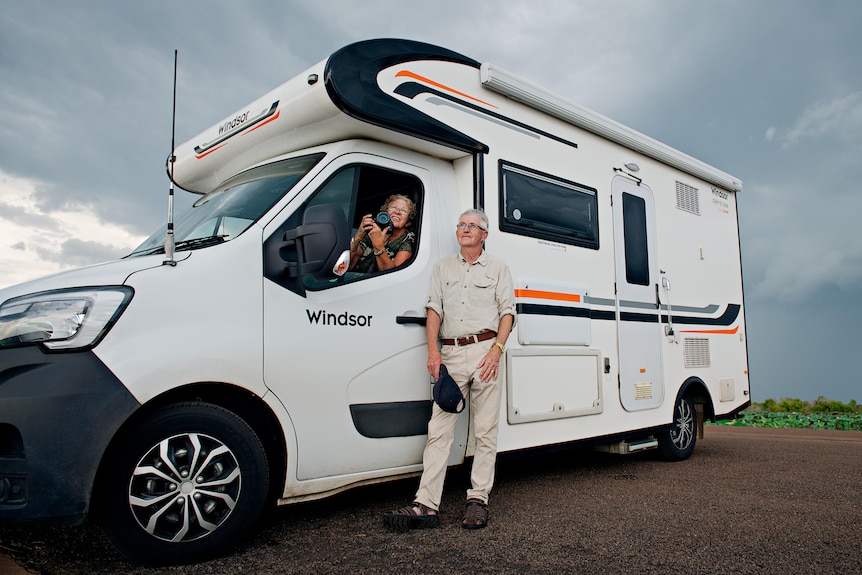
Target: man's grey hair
(478, 213)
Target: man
(470, 313)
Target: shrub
(793, 405)
(819, 414)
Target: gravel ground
(748, 501)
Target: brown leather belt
(467, 340)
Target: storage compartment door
(552, 383)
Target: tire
(678, 442)
(185, 484)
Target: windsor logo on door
(343, 319)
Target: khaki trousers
(484, 398)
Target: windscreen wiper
(185, 245)
(199, 242)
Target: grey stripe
(708, 309)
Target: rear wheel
(185, 484)
(678, 442)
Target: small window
(542, 206)
(635, 239)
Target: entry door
(347, 358)
(639, 328)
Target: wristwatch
(501, 346)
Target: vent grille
(696, 351)
(643, 390)
(687, 199)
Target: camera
(383, 220)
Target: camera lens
(383, 219)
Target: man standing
(470, 313)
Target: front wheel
(678, 442)
(184, 484)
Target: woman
(373, 248)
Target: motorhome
(177, 392)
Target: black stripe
(413, 89)
(351, 81)
(605, 315)
(639, 317)
(730, 315)
(556, 310)
(394, 419)
(251, 123)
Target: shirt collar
(482, 261)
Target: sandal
(476, 515)
(413, 516)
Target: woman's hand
(375, 234)
(365, 225)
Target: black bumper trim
(58, 413)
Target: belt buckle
(466, 340)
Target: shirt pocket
(483, 290)
(452, 292)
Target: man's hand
(435, 360)
(490, 364)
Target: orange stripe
(208, 152)
(538, 294)
(242, 133)
(439, 85)
(272, 118)
(728, 331)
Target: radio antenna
(169, 236)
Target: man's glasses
(471, 226)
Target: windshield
(230, 209)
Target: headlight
(62, 319)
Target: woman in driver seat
(381, 246)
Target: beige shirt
(470, 298)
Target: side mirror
(318, 243)
(317, 247)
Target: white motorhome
(175, 396)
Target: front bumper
(58, 413)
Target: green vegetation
(819, 414)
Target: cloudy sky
(769, 91)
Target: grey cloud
(24, 217)
(75, 252)
(839, 120)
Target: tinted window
(542, 206)
(635, 238)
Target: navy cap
(447, 394)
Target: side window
(363, 190)
(339, 190)
(543, 206)
(635, 240)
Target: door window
(371, 190)
(635, 240)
